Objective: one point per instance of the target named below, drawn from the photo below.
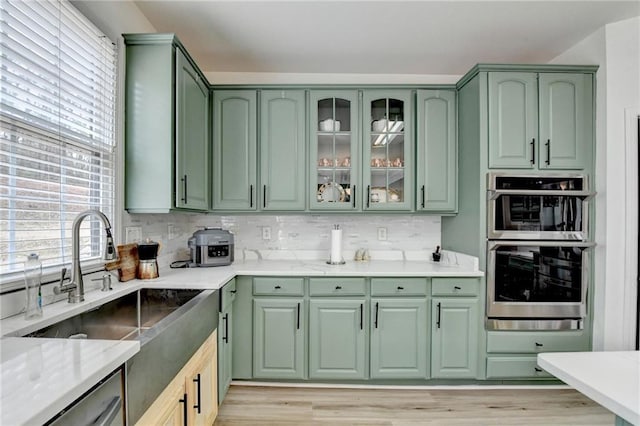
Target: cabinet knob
(400, 288)
(338, 287)
(277, 287)
(457, 288)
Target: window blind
(57, 131)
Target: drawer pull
(400, 288)
(277, 287)
(457, 288)
(338, 287)
(538, 370)
(539, 345)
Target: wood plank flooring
(270, 406)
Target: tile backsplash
(289, 233)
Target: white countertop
(612, 379)
(50, 373)
(40, 377)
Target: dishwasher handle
(107, 417)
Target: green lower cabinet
(515, 367)
(399, 338)
(279, 338)
(454, 341)
(337, 339)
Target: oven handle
(493, 194)
(494, 244)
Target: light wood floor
(270, 406)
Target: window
(57, 132)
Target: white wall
(616, 49)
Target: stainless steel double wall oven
(538, 251)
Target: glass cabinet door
(387, 159)
(334, 150)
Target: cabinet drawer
(512, 367)
(228, 294)
(398, 286)
(274, 286)
(337, 287)
(455, 287)
(537, 341)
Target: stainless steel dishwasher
(102, 405)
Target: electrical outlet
(171, 231)
(266, 232)
(382, 234)
(132, 234)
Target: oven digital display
(218, 251)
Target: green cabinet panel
(334, 150)
(235, 150)
(337, 339)
(565, 120)
(192, 136)
(166, 127)
(454, 342)
(537, 341)
(513, 120)
(279, 338)
(436, 165)
(388, 150)
(282, 150)
(399, 338)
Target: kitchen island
(612, 379)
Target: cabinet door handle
(184, 186)
(438, 318)
(298, 317)
(548, 144)
(533, 151)
(264, 196)
(400, 288)
(539, 345)
(251, 196)
(353, 196)
(233, 291)
(368, 195)
(197, 382)
(184, 408)
(225, 337)
(376, 319)
(423, 200)
(361, 315)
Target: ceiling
(378, 37)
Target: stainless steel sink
(125, 318)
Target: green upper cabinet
(334, 155)
(540, 120)
(192, 136)
(566, 117)
(282, 150)
(436, 165)
(513, 120)
(234, 150)
(166, 127)
(337, 339)
(388, 150)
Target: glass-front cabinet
(334, 156)
(388, 152)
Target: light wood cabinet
(192, 396)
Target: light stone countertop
(55, 381)
(612, 379)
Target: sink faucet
(75, 287)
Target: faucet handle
(69, 288)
